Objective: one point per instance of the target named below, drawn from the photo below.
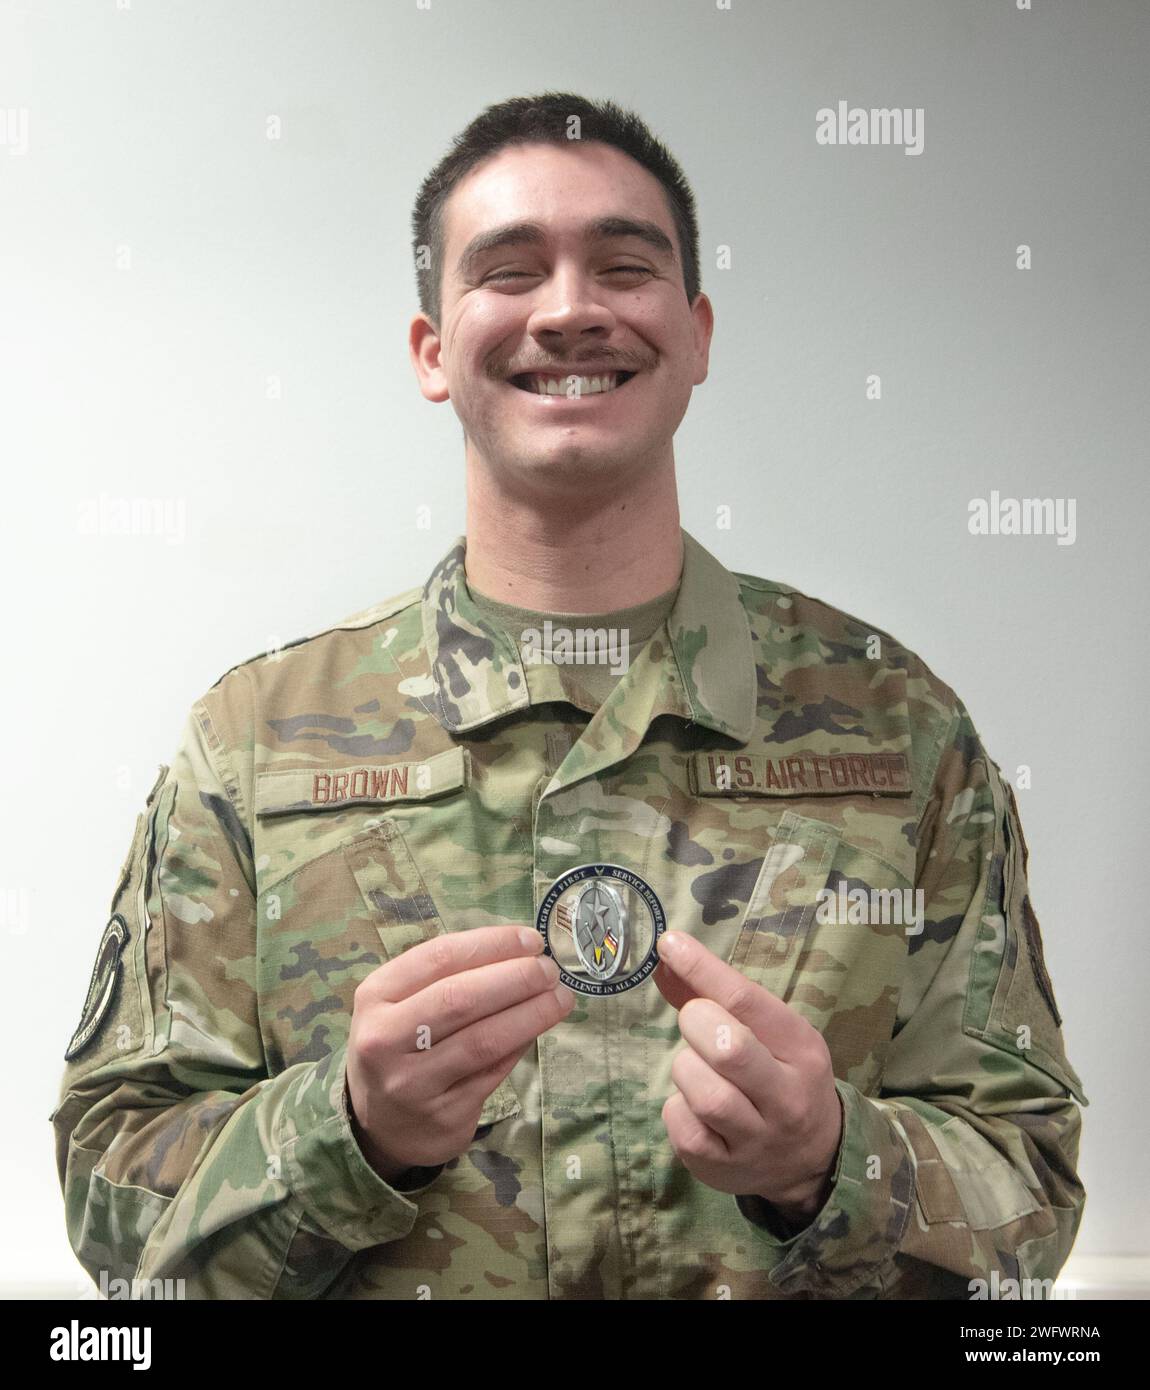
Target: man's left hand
(756, 1111)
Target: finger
(691, 1139)
(457, 1001)
(447, 953)
(481, 1046)
(732, 1050)
(708, 977)
(482, 1083)
(716, 1102)
(674, 990)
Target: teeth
(573, 385)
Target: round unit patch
(102, 987)
(600, 924)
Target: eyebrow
(532, 234)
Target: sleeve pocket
(1022, 1018)
(117, 1019)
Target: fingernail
(530, 939)
(563, 994)
(671, 944)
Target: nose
(568, 307)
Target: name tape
(802, 774)
(319, 788)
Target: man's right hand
(435, 1031)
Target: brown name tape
(800, 774)
(320, 788)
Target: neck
(561, 555)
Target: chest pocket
(329, 918)
(826, 929)
(783, 902)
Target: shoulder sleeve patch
(116, 1021)
(102, 986)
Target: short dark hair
(544, 119)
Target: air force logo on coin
(600, 924)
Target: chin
(573, 459)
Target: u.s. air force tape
(600, 924)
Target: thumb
(674, 989)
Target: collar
(708, 676)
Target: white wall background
(161, 259)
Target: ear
(424, 344)
(703, 315)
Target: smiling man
(558, 322)
(436, 971)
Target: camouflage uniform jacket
(336, 801)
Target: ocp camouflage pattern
(336, 801)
